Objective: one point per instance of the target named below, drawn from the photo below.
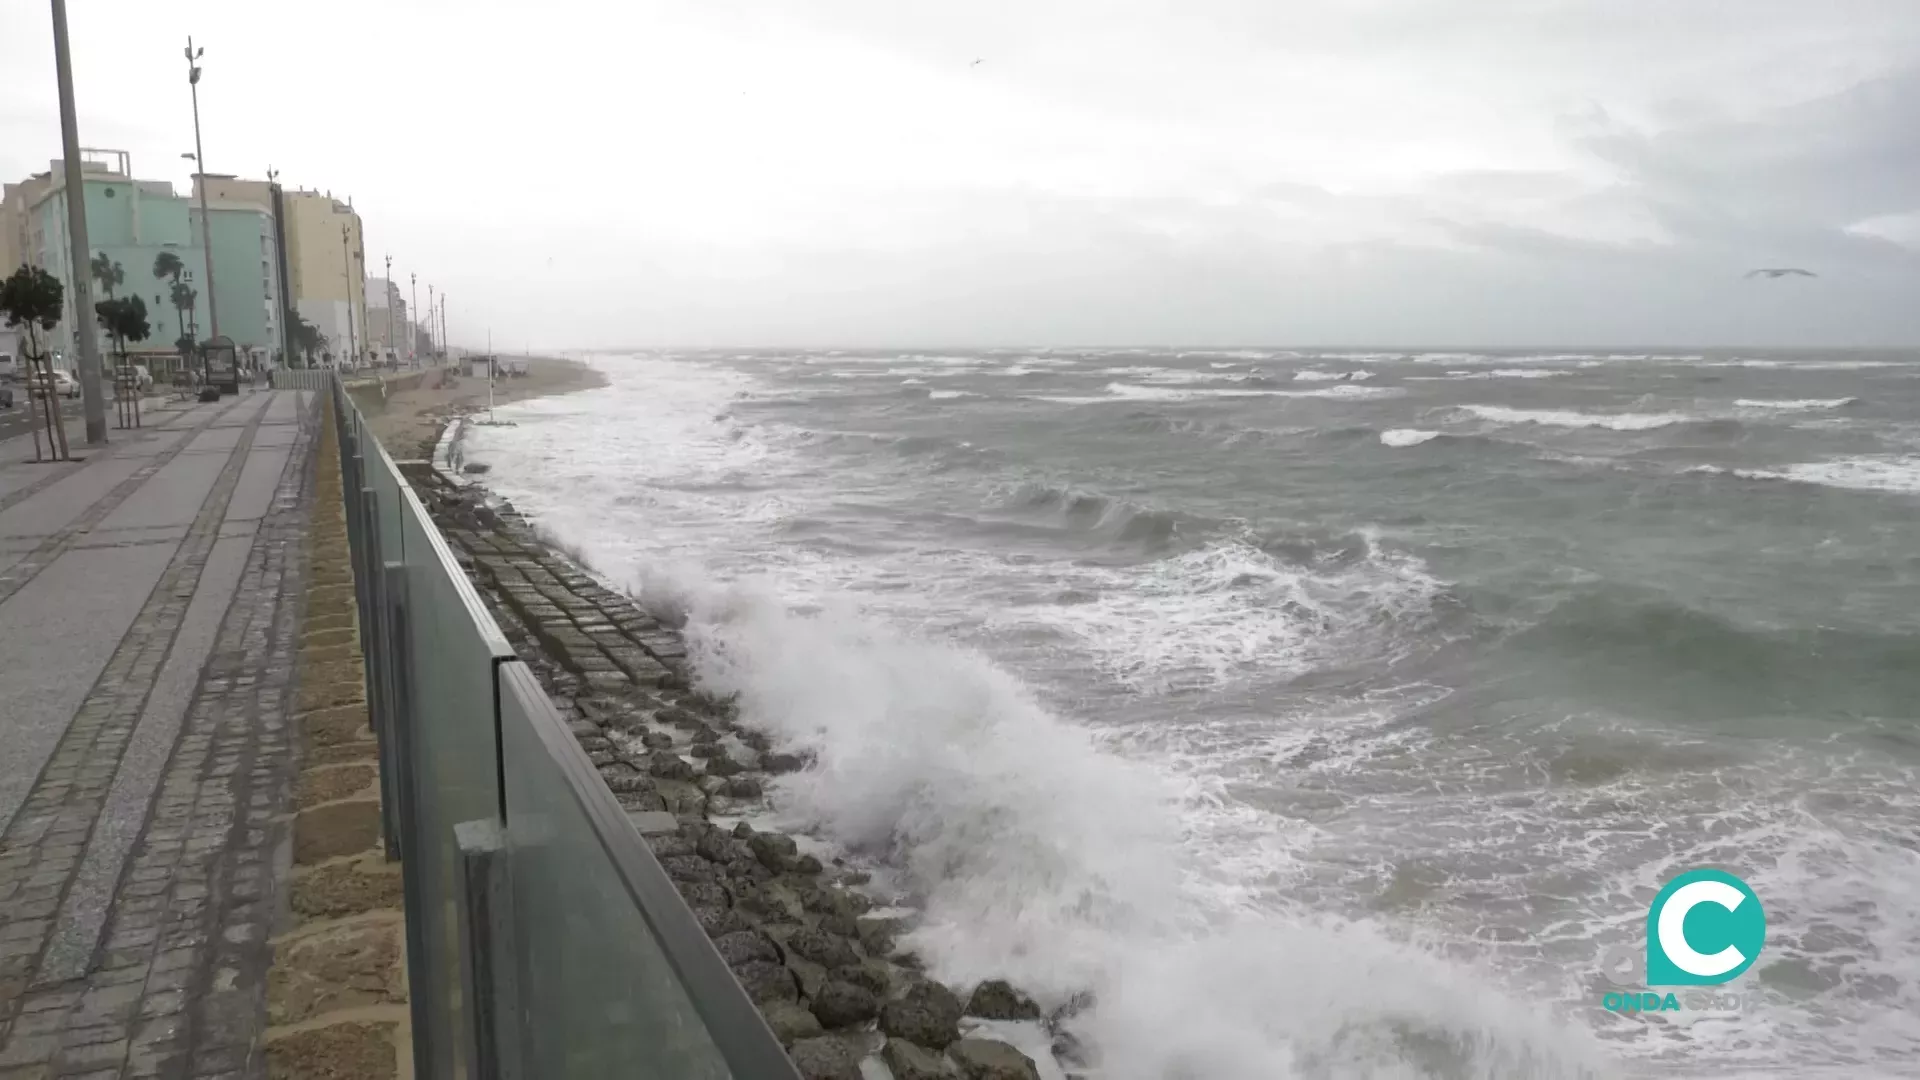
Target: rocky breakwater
(808, 940)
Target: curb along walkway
(150, 607)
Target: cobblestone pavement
(137, 866)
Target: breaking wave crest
(1568, 418)
(1035, 853)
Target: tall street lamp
(287, 308)
(413, 346)
(392, 295)
(346, 271)
(93, 404)
(200, 163)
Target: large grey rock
(790, 1022)
(669, 766)
(996, 999)
(651, 823)
(721, 765)
(842, 1004)
(928, 1014)
(742, 946)
(873, 977)
(721, 848)
(744, 787)
(821, 947)
(773, 850)
(703, 894)
(746, 871)
(769, 901)
(910, 1062)
(656, 740)
(765, 981)
(718, 921)
(782, 763)
(688, 868)
(825, 1058)
(664, 846)
(707, 750)
(679, 718)
(990, 1059)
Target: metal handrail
(740, 1034)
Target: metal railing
(300, 378)
(543, 937)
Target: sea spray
(1038, 856)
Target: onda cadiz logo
(1704, 928)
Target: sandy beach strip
(409, 415)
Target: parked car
(6, 396)
(9, 367)
(62, 383)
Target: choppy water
(1327, 714)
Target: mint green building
(134, 222)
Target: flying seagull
(978, 62)
(1781, 271)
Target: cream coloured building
(327, 268)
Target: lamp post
(287, 309)
(93, 403)
(390, 298)
(346, 271)
(413, 332)
(200, 164)
(432, 344)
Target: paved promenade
(149, 597)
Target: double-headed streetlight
(200, 164)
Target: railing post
(380, 643)
(487, 958)
(399, 783)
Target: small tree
(31, 297)
(124, 320)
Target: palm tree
(304, 336)
(168, 265)
(108, 273)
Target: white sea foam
(1407, 436)
(1810, 365)
(1318, 375)
(946, 395)
(1040, 856)
(1568, 418)
(1131, 392)
(1496, 373)
(1795, 405)
(1889, 473)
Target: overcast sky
(1392, 172)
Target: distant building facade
(326, 260)
(134, 223)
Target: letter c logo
(1730, 922)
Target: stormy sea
(1312, 713)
